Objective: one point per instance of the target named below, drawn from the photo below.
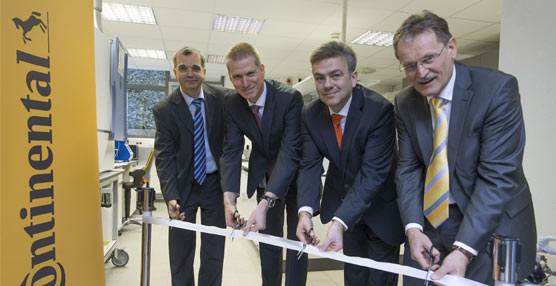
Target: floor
(241, 260)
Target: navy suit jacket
(173, 142)
(360, 177)
(486, 138)
(278, 145)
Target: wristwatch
(270, 201)
(465, 252)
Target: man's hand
(455, 264)
(305, 231)
(174, 210)
(420, 246)
(257, 219)
(230, 210)
(334, 238)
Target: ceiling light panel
(223, 23)
(216, 59)
(128, 13)
(375, 38)
(152, 54)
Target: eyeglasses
(412, 67)
(194, 68)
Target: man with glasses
(353, 127)
(188, 146)
(461, 138)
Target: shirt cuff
(413, 225)
(340, 221)
(466, 247)
(306, 209)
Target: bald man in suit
(190, 182)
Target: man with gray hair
(188, 146)
(461, 138)
(353, 127)
(269, 114)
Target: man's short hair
(334, 49)
(418, 24)
(242, 51)
(186, 51)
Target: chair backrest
(147, 167)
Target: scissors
(300, 252)
(237, 226)
(427, 277)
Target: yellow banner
(50, 219)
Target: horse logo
(29, 24)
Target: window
(145, 88)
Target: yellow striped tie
(437, 183)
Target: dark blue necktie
(200, 157)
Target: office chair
(141, 175)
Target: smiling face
(190, 73)
(247, 78)
(334, 82)
(429, 76)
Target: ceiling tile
(460, 27)
(490, 34)
(441, 8)
(486, 10)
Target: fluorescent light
(233, 24)
(375, 38)
(216, 59)
(128, 13)
(142, 53)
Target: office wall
(527, 44)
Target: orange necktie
(336, 118)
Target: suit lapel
(423, 125)
(181, 110)
(328, 134)
(352, 121)
(209, 108)
(460, 103)
(268, 114)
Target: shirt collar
(262, 99)
(447, 92)
(189, 99)
(345, 109)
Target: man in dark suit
(353, 127)
(188, 146)
(461, 138)
(269, 114)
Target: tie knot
(437, 102)
(197, 102)
(336, 118)
(255, 108)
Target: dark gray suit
(486, 137)
(174, 165)
(276, 150)
(359, 187)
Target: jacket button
(346, 186)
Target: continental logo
(37, 99)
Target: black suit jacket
(360, 177)
(174, 139)
(279, 144)
(486, 137)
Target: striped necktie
(200, 156)
(437, 183)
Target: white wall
(527, 44)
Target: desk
(126, 167)
(109, 183)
